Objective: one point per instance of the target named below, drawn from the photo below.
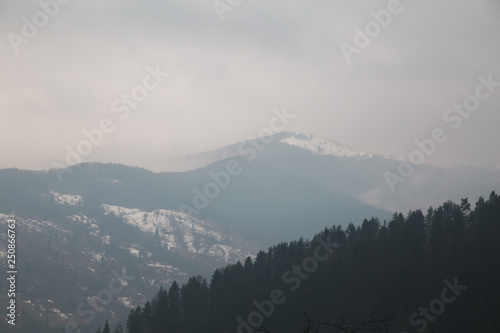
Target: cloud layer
(227, 76)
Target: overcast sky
(227, 76)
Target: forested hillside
(434, 271)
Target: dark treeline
(401, 268)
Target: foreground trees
(396, 266)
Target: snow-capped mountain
(323, 146)
(308, 142)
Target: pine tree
(134, 321)
(106, 328)
(174, 308)
(147, 314)
(194, 302)
(159, 307)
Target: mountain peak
(322, 146)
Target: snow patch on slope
(322, 146)
(60, 314)
(179, 231)
(127, 301)
(67, 199)
(175, 228)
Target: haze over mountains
(205, 149)
(80, 224)
(367, 177)
(276, 181)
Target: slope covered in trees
(435, 271)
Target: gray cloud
(226, 77)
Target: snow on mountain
(165, 246)
(91, 226)
(314, 143)
(127, 301)
(179, 230)
(67, 199)
(322, 146)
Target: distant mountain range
(78, 225)
(313, 143)
(358, 174)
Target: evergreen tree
(194, 302)
(106, 328)
(134, 321)
(174, 319)
(147, 315)
(159, 307)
